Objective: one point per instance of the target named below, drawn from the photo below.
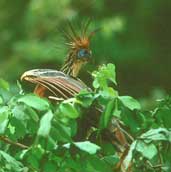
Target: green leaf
(31, 160)
(111, 72)
(4, 84)
(34, 102)
(73, 164)
(105, 73)
(111, 159)
(147, 150)
(45, 124)
(108, 149)
(158, 134)
(73, 126)
(108, 92)
(19, 113)
(95, 164)
(50, 167)
(86, 98)
(87, 146)
(117, 113)
(130, 119)
(61, 132)
(128, 158)
(130, 102)
(15, 165)
(19, 126)
(96, 83)
(107, 114)
(4, 112)
(32, 114)
(68, 109)
(1, 100)
(34, 155)
(163, 116)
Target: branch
(6, 140)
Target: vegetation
(37, 135)
(77, 134)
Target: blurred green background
(135, 35)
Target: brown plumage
(64, 83)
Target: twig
(160, 157)
(6, 140)
(44, 157)
(116, 123)
(154, 166)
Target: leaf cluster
(69, 136)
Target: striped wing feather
(58, 84)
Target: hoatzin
(63, 84)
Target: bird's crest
(78, 40)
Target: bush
(94, 131)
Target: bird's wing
(57, 83)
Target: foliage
(37, 135)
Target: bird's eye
(83, 53)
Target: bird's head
(79, 49)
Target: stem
(8, 141)
(43, 160)
(160, 157)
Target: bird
(64, 83)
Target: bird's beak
(88, 56)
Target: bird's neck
(72, 66)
